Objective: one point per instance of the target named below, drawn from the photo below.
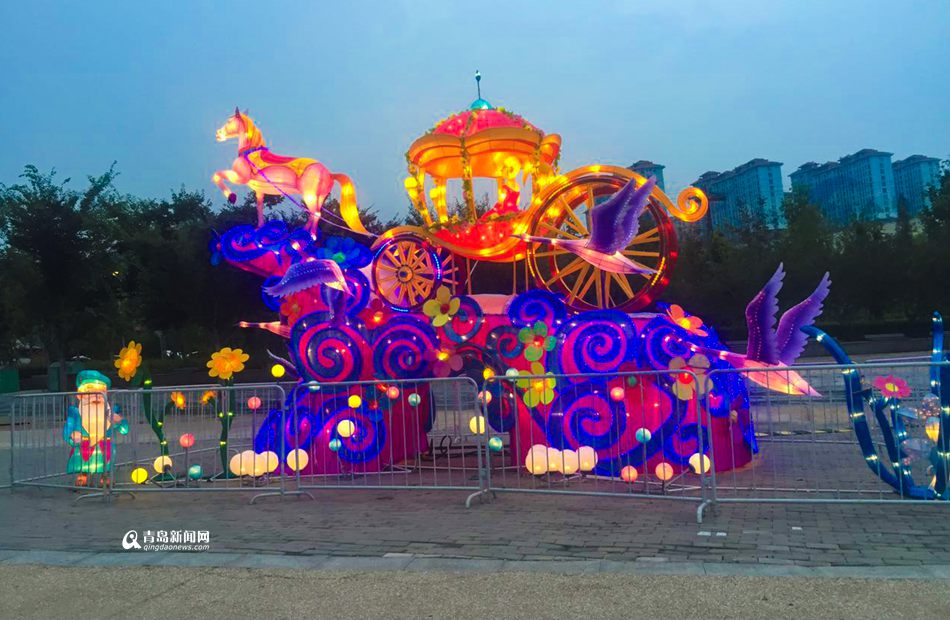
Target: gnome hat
(92, 381)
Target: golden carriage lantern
(411, 262)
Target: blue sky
(695, 85)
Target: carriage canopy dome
(486, 137)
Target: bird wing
(789, 338)
(614, 222)
(760, 320)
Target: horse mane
(251, 132)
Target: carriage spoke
(649, 236)
(575, 223)
(590, 281)
(624, 285)
(570, 268)
(598, 287)
(579, 281)
(558, 231)
(640, 253)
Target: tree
(60, 250)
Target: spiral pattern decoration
(662, 341)
(587, 417)
(466, 322)
(502, 344)
(691, 205)
(399, 348)
(367, 440)
(537, 305)
(596, 341)
(240, 244)
(327, 350)
(684, 442)
(502, 409)
(245, 243)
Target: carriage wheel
(407, 271)
(564, 215)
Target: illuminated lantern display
(254, 403)
(477, 425)
(243, 463)
(629, 473)
(587, 457)
(345, 428)
(90, 427)
(278, 371)
(194, 472)
(536, 462)
(139, 475)
(664, 471)
(590, 250)
(700, 463)
(178, 399)
(932, 428)
(271, 461)
(162, 464)
(297, 459)
(187, 440)
(259, 465)
(570, 462)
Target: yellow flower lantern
(225, 363)
(129, 360)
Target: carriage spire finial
(479, 104)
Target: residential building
(913, 177)
(755, 187)
(649, 169)
(860, 185)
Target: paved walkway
(515, 527)
(163, 592)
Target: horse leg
(218, 179)
(315, 184)
(260, 209)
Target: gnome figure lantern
(90, 426)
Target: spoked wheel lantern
(408, 270)
(564, 214)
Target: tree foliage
(83, 270)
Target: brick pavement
(514, 527)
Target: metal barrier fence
(596, 434)
(822, 433)
(392, 434)
(183, 438)
(865, 435)
(42, 447)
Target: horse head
(235, 127)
